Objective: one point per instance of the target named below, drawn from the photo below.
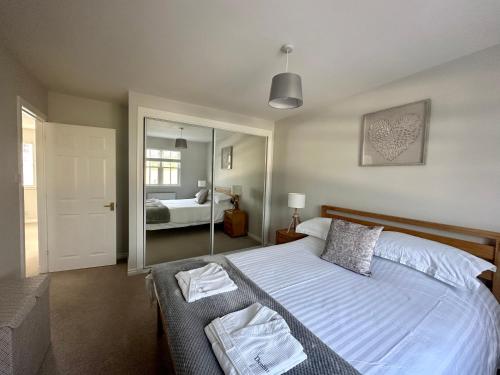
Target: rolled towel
(204, 282)
(254, 341)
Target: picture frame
(227, 157)
(395, 136)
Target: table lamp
(236, 191)
(295, 201)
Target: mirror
(177, 166)
(239, 184)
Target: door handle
(111, 206)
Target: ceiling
(171, 130)
(168, 129)
(223, 53)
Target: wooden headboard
(490, 250)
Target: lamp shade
(236, 189)
(296, 200)
(286, 91)
(181, 143)
(202, 183)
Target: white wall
(14, 81)
(317, 153)
(249, 171)
(74, 110)
(193, 166)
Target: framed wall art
(396, 136)
(227, 157)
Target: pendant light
(286, 88)
(181, 142)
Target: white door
(81, 190)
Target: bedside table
(235, 223)
(283, 236)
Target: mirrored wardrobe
(204, 191)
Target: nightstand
(235, 223)
(283, 236)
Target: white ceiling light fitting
(181, 142)
(286, 88)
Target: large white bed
(187, 212)
(398, 321)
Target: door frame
(40, 185)
(136, 174)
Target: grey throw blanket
(156, 212)
(190, 349)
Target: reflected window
(163, 167)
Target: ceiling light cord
(286, 66)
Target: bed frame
(489, 250)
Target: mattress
(186, 212)
(398, 321)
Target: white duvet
(398, 321)
(186, 212)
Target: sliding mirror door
(239, 173)
(177, 208)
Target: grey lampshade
(181, 143)
(286, 91)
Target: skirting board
(255, 237)
(135, 271)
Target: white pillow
(221, 197)
(445, 263)
(316, 227)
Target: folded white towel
(255, 340)
(204, 282)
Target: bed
(186, 212)
(399, 320)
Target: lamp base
(295, 221)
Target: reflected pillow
(350, 245)
(201, 196)
(442, 262)
(221, 197)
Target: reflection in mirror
(239, 183)
(176, 205)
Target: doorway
(29, 183)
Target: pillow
(221, 197)
(316, 227)
(350, 245)
(201, 196)
(442, 262)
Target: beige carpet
(102, 323)
(173, 244)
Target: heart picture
(392, 138)
(396, 136)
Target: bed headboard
(225, 190)
(490, 250)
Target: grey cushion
(350, 245)
(201, 196)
